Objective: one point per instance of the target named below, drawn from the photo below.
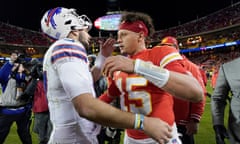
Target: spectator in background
(13, 80)
(100, 85)
(204, 75)
(205, 79)
(146, 79)
(214, 78)
(42, 124)
(107, 134)
(227, 84)
(187, 114)
(91, 59)
(69, 82)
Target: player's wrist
(100, 59)
(138, 123)
(155, 74)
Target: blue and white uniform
(66, 76)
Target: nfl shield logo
(174, 141)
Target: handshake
(221, 134)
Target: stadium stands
(217, 28)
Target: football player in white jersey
(68, 83)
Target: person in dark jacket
(19, 112)
(42, 124)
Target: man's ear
(141, 34)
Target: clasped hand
(118, 63)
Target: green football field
(205, 134)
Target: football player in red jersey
(187, 114)
(146, 79)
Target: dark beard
(85, 44)
(82, 39)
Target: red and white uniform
(138, 95)
(185, 110)
(66, 76)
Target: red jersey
(185, 110)
(138, 95)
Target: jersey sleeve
(74, 78)
(68, 52)
(169, 58)
(70, 61)
(111, 93)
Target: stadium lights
(108, 22)
(210, 47)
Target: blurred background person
(13, 79)
(214, 77)
(227, 89)
(42, 125)
(107, 134)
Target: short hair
(14, 51)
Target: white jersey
(66, 76)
